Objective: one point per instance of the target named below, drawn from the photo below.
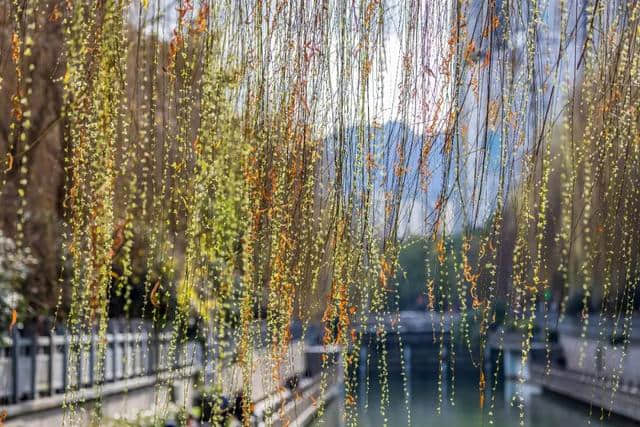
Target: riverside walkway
(595, 368)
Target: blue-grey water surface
(542, 409)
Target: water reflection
(461, 402)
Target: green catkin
(267, 162)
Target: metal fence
(31, 367)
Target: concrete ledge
(89, 394)
(309, 414)
(298, 409)
(589, 389)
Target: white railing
(32, 367)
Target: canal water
(542, 409)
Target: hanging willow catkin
(250, 161)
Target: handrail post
(114, 354)
(92, 357)
(65, 363)
(128, 356)
(80, 340)
(52, 352)
(151, 351)
(14, 365)
(34, 355)
(156, 343)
